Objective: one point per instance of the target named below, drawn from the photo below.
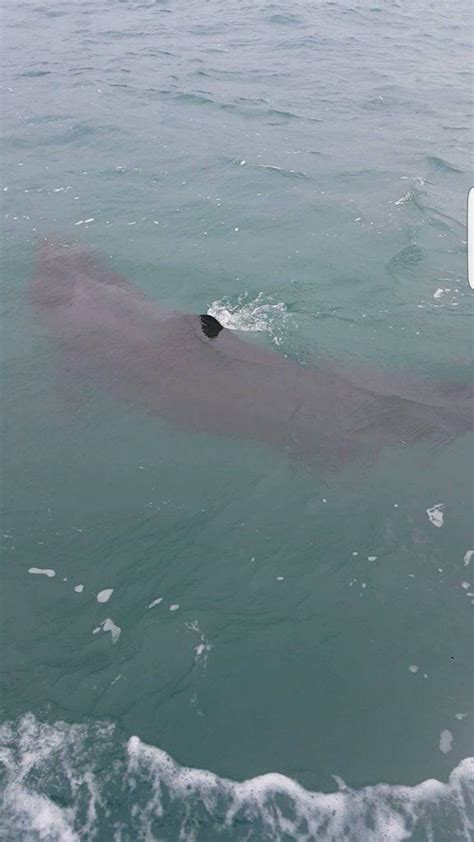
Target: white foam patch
(449, 295)
(275, 807)
(42, 571)
(413, 668)
(66, 783)
(108, 625)
(203, 648)
(49, 752)
(78, 588)
(445, 741)
(468, 556)
(201, 651)
(37, 815)
(174, 607)
(436, 514)
(407, 197)
(155, 602)
(104, 596)
(260, 314)
(271, 167)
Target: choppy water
(300, 171)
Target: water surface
(299, 170)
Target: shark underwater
(197, 375)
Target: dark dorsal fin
(210, 326)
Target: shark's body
(197, 375)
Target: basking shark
(200, 376)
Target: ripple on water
(442, 165)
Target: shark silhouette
(200, 376)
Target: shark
(202, 377)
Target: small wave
(34, 74)
(301, 43)
(285, 19)
(381, 103)
(192, 98)
(258, 315)
(64, 783)
(121, 34)
(414, 195)
(246, 106)
(443, 165)
(61, 134)
(157, 51)
(290, 115)
(284, 172)
(50, 13)
(449, 295)
(409, 196)
(46, 119)
(406, 259)
(415, 198)
(252, 73)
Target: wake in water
(258, 314)
(64, 783)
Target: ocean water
(204, 639)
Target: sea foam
(65, 782)
(260, 314)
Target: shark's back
(198, 375)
